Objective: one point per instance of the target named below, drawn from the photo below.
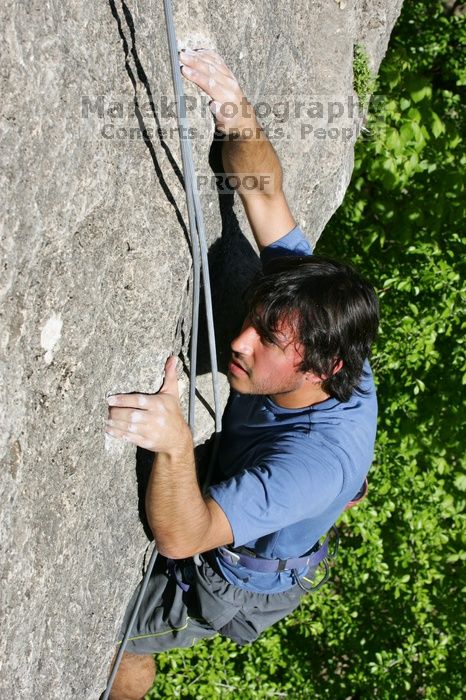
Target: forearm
(176, 510)
(182, 521)
(254, 161)
(251, 154)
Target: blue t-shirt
(284, 476)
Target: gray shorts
(170, 617)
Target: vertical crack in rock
(141, 74)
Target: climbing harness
(200, 267)
(268, 566)
(321, 554)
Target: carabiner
(323, 580)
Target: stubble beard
(264, 388)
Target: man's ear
(314, 379)
(337, 366)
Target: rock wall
(96, 272)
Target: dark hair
(333, 310)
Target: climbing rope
(200, 266)
(196, 226)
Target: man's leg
(134, 678)
(168, 618)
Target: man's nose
(244, 343)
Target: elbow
(171, 553)
(171, 550)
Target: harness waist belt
(271, 566)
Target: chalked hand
(151, 421)
(231, 109)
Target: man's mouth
(235, 368)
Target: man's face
(260, 367)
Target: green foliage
(363, 80)
(391, 623)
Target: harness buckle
(233, 556)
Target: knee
(134, 678)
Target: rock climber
(297, 433)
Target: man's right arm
(247, 152)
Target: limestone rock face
(96, 273)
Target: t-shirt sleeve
(280, 490)
(293, 243)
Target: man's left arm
(182, 521)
